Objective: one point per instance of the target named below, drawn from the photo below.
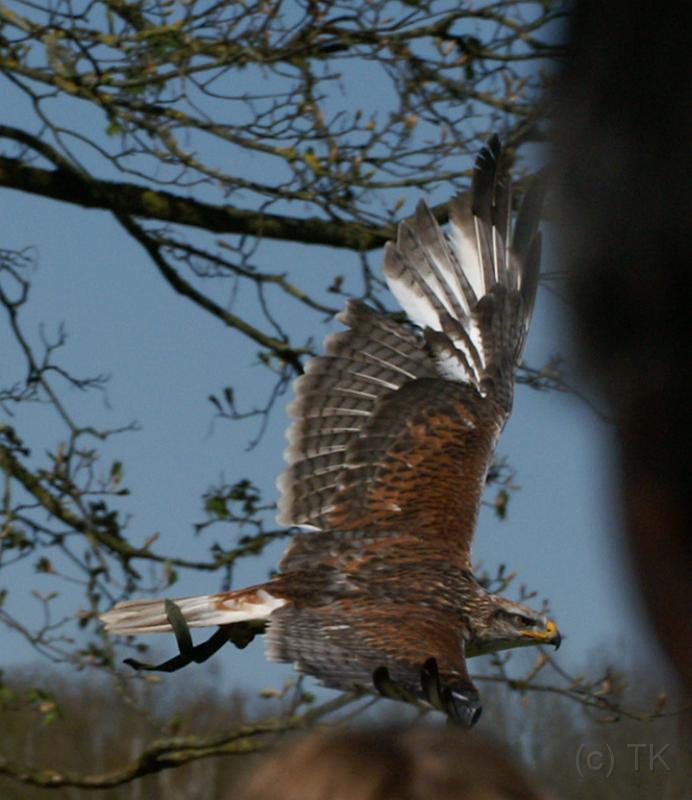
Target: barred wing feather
(394, 427)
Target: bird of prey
(394, 430)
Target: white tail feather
(201, 611)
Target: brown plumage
(388, 454)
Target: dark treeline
(68, 723)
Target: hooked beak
(551, 635)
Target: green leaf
(216, 505)
(114, 129)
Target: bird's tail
(201, 611)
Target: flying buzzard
(394, 430)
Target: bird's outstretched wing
(394, 428)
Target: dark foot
(460, 706)
(390, 689)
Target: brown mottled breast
(345, 641)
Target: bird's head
(504, 624)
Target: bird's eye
(522, 621)
(518, 620)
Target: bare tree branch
(127, 198)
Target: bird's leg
(390, 689)
(459, 702)
(241, 634)
(432, 692)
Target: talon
(464, 708)
(383, 683)
(430, 684)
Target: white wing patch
(466, 249)
(438, 279)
